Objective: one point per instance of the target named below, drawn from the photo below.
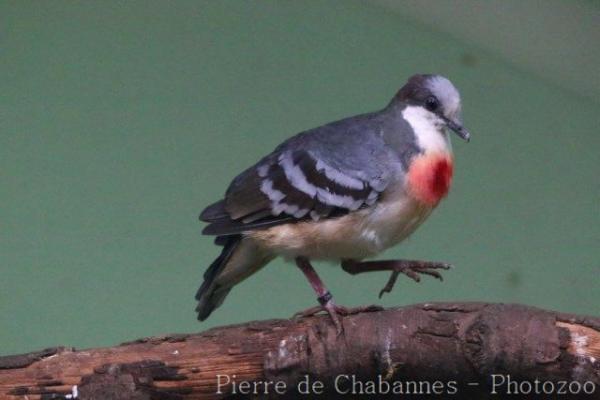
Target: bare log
(466, 349)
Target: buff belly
(357, 235)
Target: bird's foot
(413, 269)
(330, 308)
(335, 311)
(326, 299)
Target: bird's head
(438, 96)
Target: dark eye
(431, 103)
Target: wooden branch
(466, 349)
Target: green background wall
(120, 121)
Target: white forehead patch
(446, 93)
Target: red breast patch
(429, 177)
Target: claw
(309, 312)
(333, 314)
(435, 274)
(413, 272)
(412, 275)
(334, 311)
(390, 283)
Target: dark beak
(458, 129)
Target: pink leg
(325, 298)
(314, 280)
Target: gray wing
(321, 173)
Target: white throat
(429, 129)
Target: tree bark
(460, 349)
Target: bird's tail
(239, 259)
